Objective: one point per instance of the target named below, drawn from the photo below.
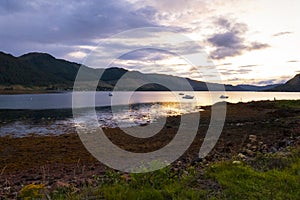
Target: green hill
(41, 71)
(293, 85)
(36, 69)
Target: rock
(264, 146)
(252, 138)
(236, 162)
(197, 160)
(242, 156)
(39, 177)
(6, 188)
(175, 169)
(284, 143)
(273, 149)
(249, 152)
(60, 184)
(254, 148)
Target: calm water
(84, 99)
(131, 109)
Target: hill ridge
(37, 69)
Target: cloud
(230, 40)
(223, 64)
(282, 33)
(45, 24)
(257, 46)
(276, 80)
(223, 52)
(234, 79)
(146, 55)
(243, 71)
(226, 40)
(14, 6)
(247, 66)
(170, 11)
(234, 71)
(234, 27)
(268, 82)
(77, 55)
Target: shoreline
(16, 92)
(24, 92)
(275, 125)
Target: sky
(248, 41)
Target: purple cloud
(282, 33)
(53, 26)
(231, 40)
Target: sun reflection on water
(142, 114)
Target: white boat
(188, 97)
(224, 97)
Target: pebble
(252, 138)
(264, 146)
(254, 147)
(273, 149)
(236, 162)
(6, 188)
(242, 156)
(249, 152)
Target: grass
(245, 182)
(287, 104)
(242, 182)
(162, 184)
(234, 181)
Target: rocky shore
(251, 129)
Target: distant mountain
(257, 88)
(292, 85)
(36, 69)
(43, 71)
(40, 70)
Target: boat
(224, 97)
(181, 93)
(110, 94)
(188, 97)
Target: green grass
(162, 184)
(244, 182)
(288, 104)
(261, 179)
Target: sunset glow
(250, 42)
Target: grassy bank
(270, 176)
(280, 178)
